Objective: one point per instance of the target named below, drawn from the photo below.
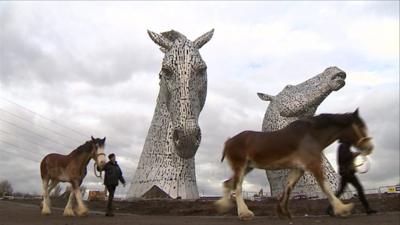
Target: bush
(5, 188)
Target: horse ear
(104, 140)
(355, 113)
(160, 40)
(265, 97)
(92, 138)
(203, 39)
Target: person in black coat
(348, 175)
(113, 174)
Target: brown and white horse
(71, 168)
(298, 147)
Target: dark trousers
(352, 179)
(111, 191)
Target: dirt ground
(22, 212)
(13, 213)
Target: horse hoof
(46, 213)
(83, 214)
(248, 215)
(223, 205)
(345, 210)
(69, 213)
(283, 213)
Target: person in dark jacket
(113, 174)
(348, 175)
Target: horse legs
(292, 179)
(46, 198)
(243, 211)
(68, 211)
(224, 204)
(53, 184)
(82, 209)
(338, 207)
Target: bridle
(96, 156)
(360, 137)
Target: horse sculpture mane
(172, 35)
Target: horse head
(183, 87)
(303, 99)
(357, 134)
(98, 154)
(333, 78)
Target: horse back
(266, 147)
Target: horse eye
(202, 70)
(167, 73)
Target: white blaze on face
(364, 143)
(100, 157)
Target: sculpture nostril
(177, 135)
(198, 133)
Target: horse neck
(328, 135)
(160, 122)
(80, 157)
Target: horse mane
(326, 119)
(173, 35)
(86, 147)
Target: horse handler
(113, 174)
(347, 172)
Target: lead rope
(95, 173)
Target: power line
(21, 156)
(25, 140)
(39, 135)
(15, 146)
(31, 111)
(43, 117)
(13, 153)
(53, 131)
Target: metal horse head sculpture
(293, 103)
(303, 99)
(183, 85)
(167, 159)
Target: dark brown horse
(71, 168)
(298, 147)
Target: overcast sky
(76, 69)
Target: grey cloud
(42, 52)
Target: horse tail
(44, 167)
(223, 156)
(224, 151)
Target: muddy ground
(310, 212)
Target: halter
(361, 138)
(95, 164)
